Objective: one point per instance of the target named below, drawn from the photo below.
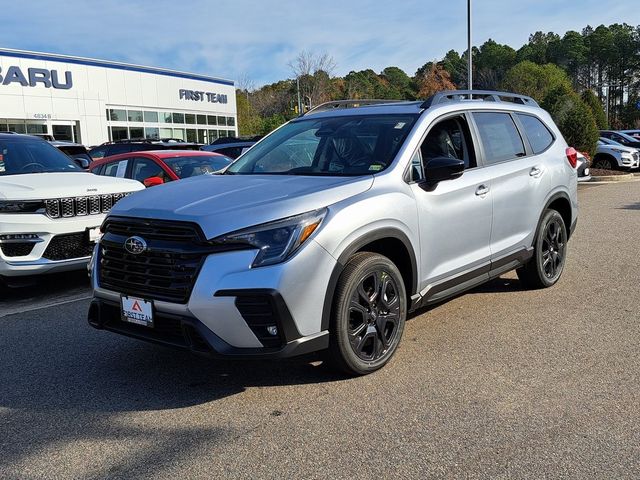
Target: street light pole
(469, 51)
(299, 100)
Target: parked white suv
(50, 209)
(613, 155)
(327, 232)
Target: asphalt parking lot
(498, 383)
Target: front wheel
(369, 313)
(550, 250)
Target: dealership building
(93, 101)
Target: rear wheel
(369, 313)
(550, 250)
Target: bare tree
(314, 72)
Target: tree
(313, 71)
(595, 105)
(399, 84)
(534, 80)
(491, 63)
(573, 117)
(435, 80)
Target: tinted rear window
(539, 136)
(500, 137)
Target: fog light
(19, 237)
(272, 330)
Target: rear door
(517, 177)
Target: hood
(609, 148)
(225, 203)
(40, 186)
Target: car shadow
(63, 383)
(497, 285)
(631, 206)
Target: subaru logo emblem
(135, 245)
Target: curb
(629, 177)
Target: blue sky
(256, 39)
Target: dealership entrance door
(67, 131)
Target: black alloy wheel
(603, 163)
(550, 251)
(374, 315)
(370, 309)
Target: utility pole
(469, 51)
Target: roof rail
(485, 95)
(353, 103)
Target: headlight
(617, 150)
(277, 240)
(20, 206)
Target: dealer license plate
(137, 310)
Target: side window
(117, 149)
(539, 136)
(115, 169)
(98, 170)
(417, 170)
(499, 137)
(449, 138)
(233, 152)
(97, 153)
(144, 168)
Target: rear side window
(499, 136)
(115, 169)
(539, 136)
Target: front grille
(19, 249)
(165, 271)
(259, 313)
(68, 246)
(79, 206)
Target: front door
(455, 216)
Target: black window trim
(528, 152)
(474, 139)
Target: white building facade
(93, 101)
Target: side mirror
(440, 169)
(152, 181)
(82, 163)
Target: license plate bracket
(136, 310)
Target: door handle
(482, 190)
(535, 172)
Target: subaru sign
(48, 78)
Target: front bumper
(35, 258)
(231, 305)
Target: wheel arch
(390, 242)
(561, 203)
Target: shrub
(595, 105)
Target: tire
(368, 315)
(550, 252)
(604, 162)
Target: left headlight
(277, 241)
(20, 206)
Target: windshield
(350, 145)
(185, 167)
(608, 141)
(19, 156)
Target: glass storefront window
(231, 121)
(152, 132)
(135, 115)
(202, 119)
(151, 117)
(178, 133)
(136, 132)
(192, 135)
(222, 121)
(166, 133)
(178, 118)
(118, 115)
(212, 120)
(165, 117)
(222, 133)
(213, 135)
(202, 136)
(35, 128)
(3, 126)
(190, 118)
(17, 127)
(119, 133)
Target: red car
(159, 166)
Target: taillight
(572, 156)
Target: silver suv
(331, 229)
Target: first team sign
(199, 96)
